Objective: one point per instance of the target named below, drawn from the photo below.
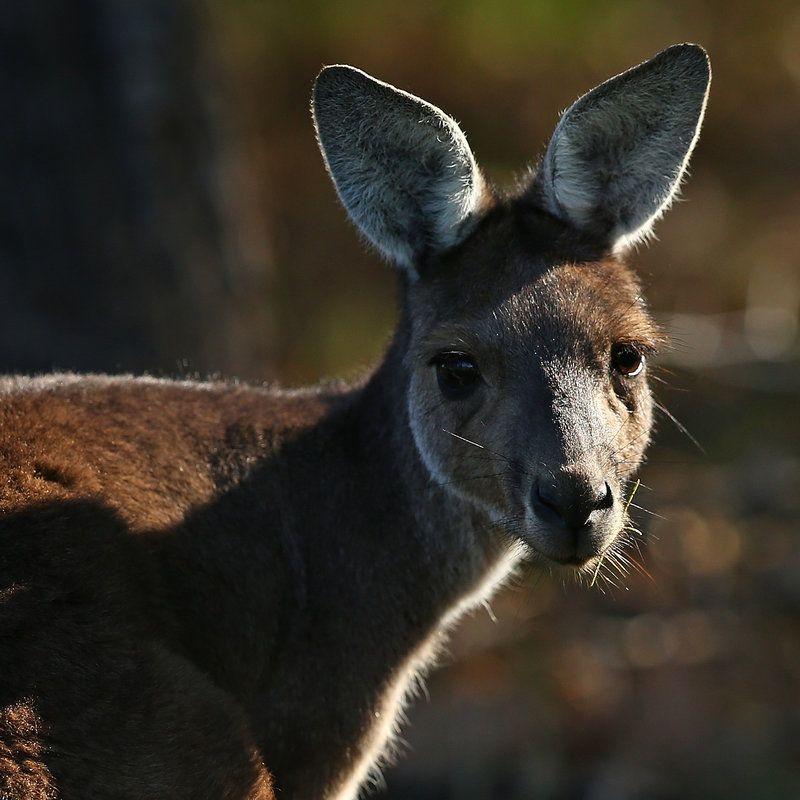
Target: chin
(583, 560)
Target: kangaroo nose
(570, 500)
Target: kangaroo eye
(458, 375)
(627, 360)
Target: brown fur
(94, 685)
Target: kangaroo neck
(394, 560)
(439, 546)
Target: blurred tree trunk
(118, 246)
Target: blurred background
(163, 208)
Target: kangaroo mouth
(576, 549)
(570, 561)
(574, 560)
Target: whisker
(680, 426)
(464, 439)
(514, 464)
(647, 511)
(624, 512)
(638, 566)
(470, 478)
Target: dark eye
(627, 360)
(458, 375)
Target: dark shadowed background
(163, 207)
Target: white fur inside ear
(401, 166)
(618, 155)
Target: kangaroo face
(527, 336)
(529, 395)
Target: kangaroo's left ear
(401, 166)
(618, 154)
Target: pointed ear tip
(336, 70)
(333, 75)
(690, 56)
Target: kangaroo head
(526, 336)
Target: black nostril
(605, 498)
(547, 496)
(570, 501)
(546, 503)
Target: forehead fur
(524, 273)
(601, 300)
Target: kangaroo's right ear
(402, 168)
(618, 155)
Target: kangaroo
(215, 591)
